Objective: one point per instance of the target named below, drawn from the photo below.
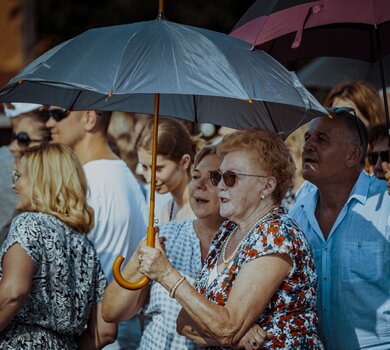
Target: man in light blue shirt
(346, 220)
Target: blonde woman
(51, 281)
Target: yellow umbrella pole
(150, 237)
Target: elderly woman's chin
(226, 210)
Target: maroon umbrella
(294, 29)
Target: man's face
(380, 148)
(66, 128)
(325, 151)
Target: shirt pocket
(363, 261)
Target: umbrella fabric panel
(342, 40)
(267, 20)
(129, 63)
(182, 60)
(327, 72)
(239, 114)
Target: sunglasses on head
(23, 139)
(58, 114)
(350, 112)
(229, 177)
(373, 156)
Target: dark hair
(356, 129)
(204, 152)
(174, 140)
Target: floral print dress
(67, 282)
(291, 313)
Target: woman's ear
(185, 161)
(269, 186)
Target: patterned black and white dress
(67, 282)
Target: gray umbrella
(201, 76)
(161, 67)
(327, 72)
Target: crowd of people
(233, 265)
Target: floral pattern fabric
(291, 313)
(67, 282)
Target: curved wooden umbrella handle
(116, 268)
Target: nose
(50, 123)
(308, 145)
(221, 185)
(202, 182)
(14, 148)
(147, 174)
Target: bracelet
(176, 285)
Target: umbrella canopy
(293, 29)
(327, 72)
(201, 76)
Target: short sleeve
(273, 237)
(101, 284)
(25, 230)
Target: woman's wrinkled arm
(255, 285)
(187, 327)
(121, 304)
(15, 285)
(98, 333)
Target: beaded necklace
(226, 261)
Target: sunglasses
(229, 177)
(373, 156)
(23, 139)
(15, 176)
(350, 112)
(58, 114)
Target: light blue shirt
(353, 266)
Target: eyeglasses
(349, 111)
(229, 177)
(58, 114)
(23, 139)
(373, 156)
(15, 176)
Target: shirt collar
(359, 192)
(360, 189)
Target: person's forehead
(239, 159)
(326, 125)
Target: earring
(262, 196)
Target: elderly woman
(259, 268)
(187, 244)
(51, 281)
